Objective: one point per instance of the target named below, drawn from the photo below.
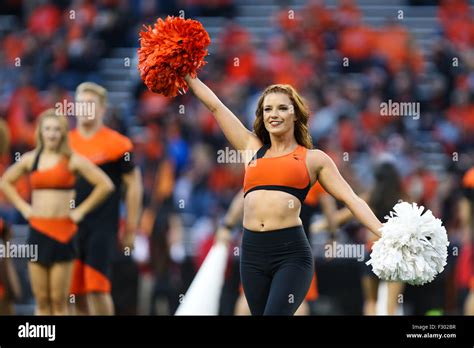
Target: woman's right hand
(26, 211)
(319, 226)
(223, 235)
(76, 215)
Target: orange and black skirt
(54, 238)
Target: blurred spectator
(455, 17)
(356, 42)
(49, 47)
(44, 20)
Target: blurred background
(345, 57)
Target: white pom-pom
(413, 247)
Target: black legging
(276, 269)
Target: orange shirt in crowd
(462, 116)
(347, 12)
(25, 102)
(451, 10)
(223, 178)
(318, 15)
(44, 20)
(460, 32)
(288, 20)
(347, 135)
(394, 45)
(456, 20)
(357, 42)
(13, 47)
(312, 198)
(372, 122)
(241, 67)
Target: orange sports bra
(287, 173)
(58, 177)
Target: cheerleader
(276, 259)
(52, 168)
(276, 262)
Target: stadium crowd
(344, 68)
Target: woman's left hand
(76, 215)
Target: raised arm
(7, 183)
(235, 132)
(103, 186)
(332, 181)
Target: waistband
(288, 234)
(60, 229)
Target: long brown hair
(301, 110)
(387, 189)
(64, 148)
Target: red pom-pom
(168, 52)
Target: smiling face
(278, 114)
(282, 111)
(51, 133)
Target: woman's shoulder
(76, 160)
(29, 157)
(254, 144)
(25, 160)
(316, 154)
(316, 159)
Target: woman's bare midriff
(52, 203)
(266, 210)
